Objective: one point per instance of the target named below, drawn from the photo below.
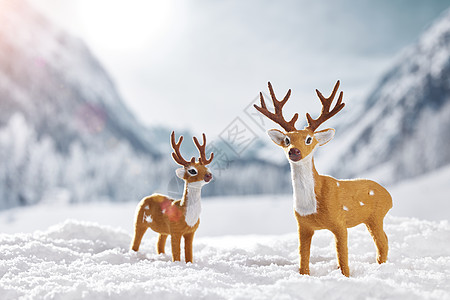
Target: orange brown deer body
(177, 218)
(323, 202)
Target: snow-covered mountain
(402, 129)
(53, 80)
(65, 132)
(63, 126)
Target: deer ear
(180, 173)
(324, 136)
(277, 136)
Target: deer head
(299, 144)
(192, 171)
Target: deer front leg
(304, 248)
(161, 244)
(188, 240)
(340, 235)
(175, 240)
(138, 234)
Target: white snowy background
(75, 160)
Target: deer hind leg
(139, 231)
(175, 241)
(188, 240)
(375, 228)
(161, 244)
(304, 248)
(340, 235)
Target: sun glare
(118, 25)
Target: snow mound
(74, 260)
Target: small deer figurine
(323, 202)
(177, 218)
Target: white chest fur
(305, 202)
(193, 207)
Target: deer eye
(308, 140)
(287, 141)
(192, 171)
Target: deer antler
(176, 147)
(325, 114)
(277, 117)
(201, 149)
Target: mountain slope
(63, 126)
(402, 127)
(65, 131)
(53, 80)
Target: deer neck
(191, 201)
(303, 183)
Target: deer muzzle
(294, 154)
(208, 177)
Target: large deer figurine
(177, 218)
(323, 202)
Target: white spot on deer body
(371, 193)
(146, 207)
(147, 218)
(360, 203)
(337, 183)
(345, 208)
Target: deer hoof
(381, 260)
(345, 271)
(304, 271)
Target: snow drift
(76, 260)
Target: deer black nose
(295, 154)
(208, 177)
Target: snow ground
(425, 197)
(274, 214)
(245, 248)
(74, 260)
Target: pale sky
(199, 64)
